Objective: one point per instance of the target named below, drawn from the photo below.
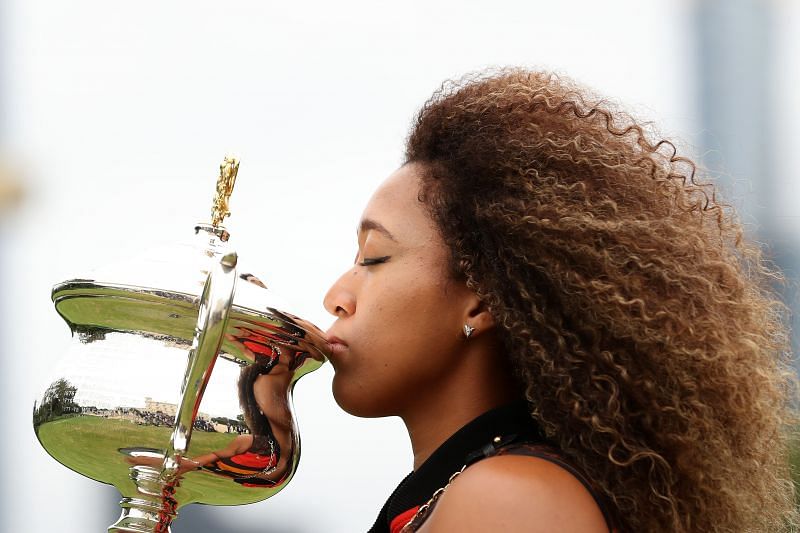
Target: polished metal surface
(178, 387)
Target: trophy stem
(215, 303)
(154, 510)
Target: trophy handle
(155, 508)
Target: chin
(358, 402)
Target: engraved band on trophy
(179, 389)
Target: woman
(551, 302)
(262, 457)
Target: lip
(336, 345)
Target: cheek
(378, 370)
(404, 346)
(404, 325)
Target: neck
(436, 416)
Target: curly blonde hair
(642, 325)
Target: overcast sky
(121, 113)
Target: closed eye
(368, 261)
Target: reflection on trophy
(180, 387)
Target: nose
(340, 301)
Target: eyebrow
(368, 224)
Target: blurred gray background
(114, 117)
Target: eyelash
(369, 261)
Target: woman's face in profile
(399, 316)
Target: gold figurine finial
(227, 178)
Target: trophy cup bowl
(178, 388)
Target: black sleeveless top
(511, 423)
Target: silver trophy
(178, 388)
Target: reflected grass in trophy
(79, 436)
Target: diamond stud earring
(468, 330)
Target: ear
(477, 315)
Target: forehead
(395, 205)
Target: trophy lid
(157, 293)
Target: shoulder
(242, 443)
(515, 493)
